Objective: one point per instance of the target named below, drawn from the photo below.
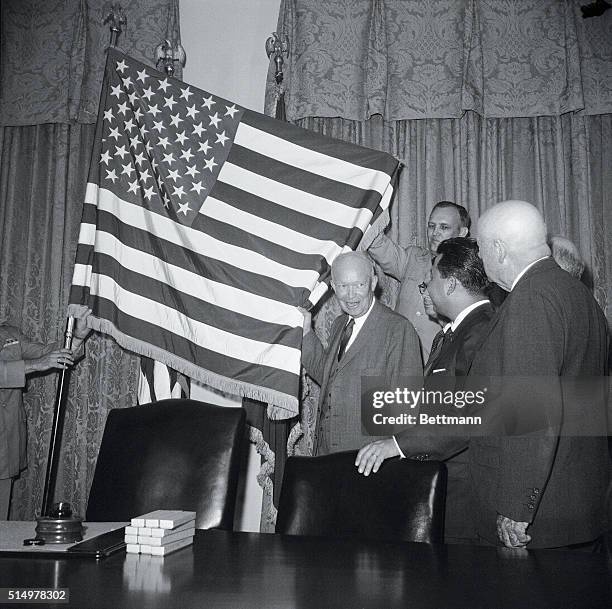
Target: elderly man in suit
(412, 265)
(456, 288)
(367, 339)
(546, 487)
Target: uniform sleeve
(391, 258)
(12, 374)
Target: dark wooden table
(248, 570)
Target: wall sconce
(278, 46)
(117, 19)
(166, 55)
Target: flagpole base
(60, 526)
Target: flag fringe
(280, 405)
(264, 479)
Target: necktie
(440, 339)
(346, 336)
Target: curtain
(51, 66)
(481, 101)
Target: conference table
(249, 570)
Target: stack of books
(160, 532)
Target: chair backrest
(174, 454)
(328, 496)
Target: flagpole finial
(166, 55)
(278, 45)
(117, 19)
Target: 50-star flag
(206, 225)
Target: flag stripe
(324, 146)
(294, 198)
(201, 244)
(307, 181)
(315, 228)
(222, 364)
(200, 306)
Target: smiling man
(412, 266)
(367, 339)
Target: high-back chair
(327, 496)
(174, 454)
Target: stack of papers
(160, 532)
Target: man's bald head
(511, 235)
(354, 281)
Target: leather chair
(174, 454)
(327, 496)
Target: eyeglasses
(422, 287)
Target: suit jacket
(387, 345)
(455, 359)
(410, 266)
(551, 332)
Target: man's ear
(500, 250)
(451, 284)
(463, 231)
(374, 282)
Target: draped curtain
(51, 67)
(481, 100)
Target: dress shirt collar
(455, 324)
(517, 278)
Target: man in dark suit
(368, 339)
(544, 487)
(456, 288)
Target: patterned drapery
(54, 51)
(51, 65)
(407, 59)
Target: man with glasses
(412, 265)
(367, 339)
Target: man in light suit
(456, 288)
(368, 339)
(412, 265)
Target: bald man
(537, 483)
(367, 339)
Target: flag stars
(209, 164)
(148, 193)
(215, 120)
(148, 93)
(191, 111)
(175, 120)
(178, 191)
(142, 76)
(204, 147)
(208, 102)
(111, 175)
(144, 175)
(138, 114)
(231, 110)
(116, 91)
(197, 186)
(184, 208)
(168, 158)
(133, 96)
(143, 130)
(108, 115)
(221, 138)
(186, 154)
(133, 187)
(128, 170)
(134, 141)
(163, 141)
(105, 157)
(121, 151)
(181, 137)
(128, 125)
(158, 125)
(127, 82)
(122, 108)
(191, 170)
(186, 93)
(140, 158)
(166, 200)
(164, 84)
(198, 129)
(121, 66)
(173, 174)
(169, 103)
(154, 110)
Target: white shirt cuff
(399, 450)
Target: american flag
(206, 224)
